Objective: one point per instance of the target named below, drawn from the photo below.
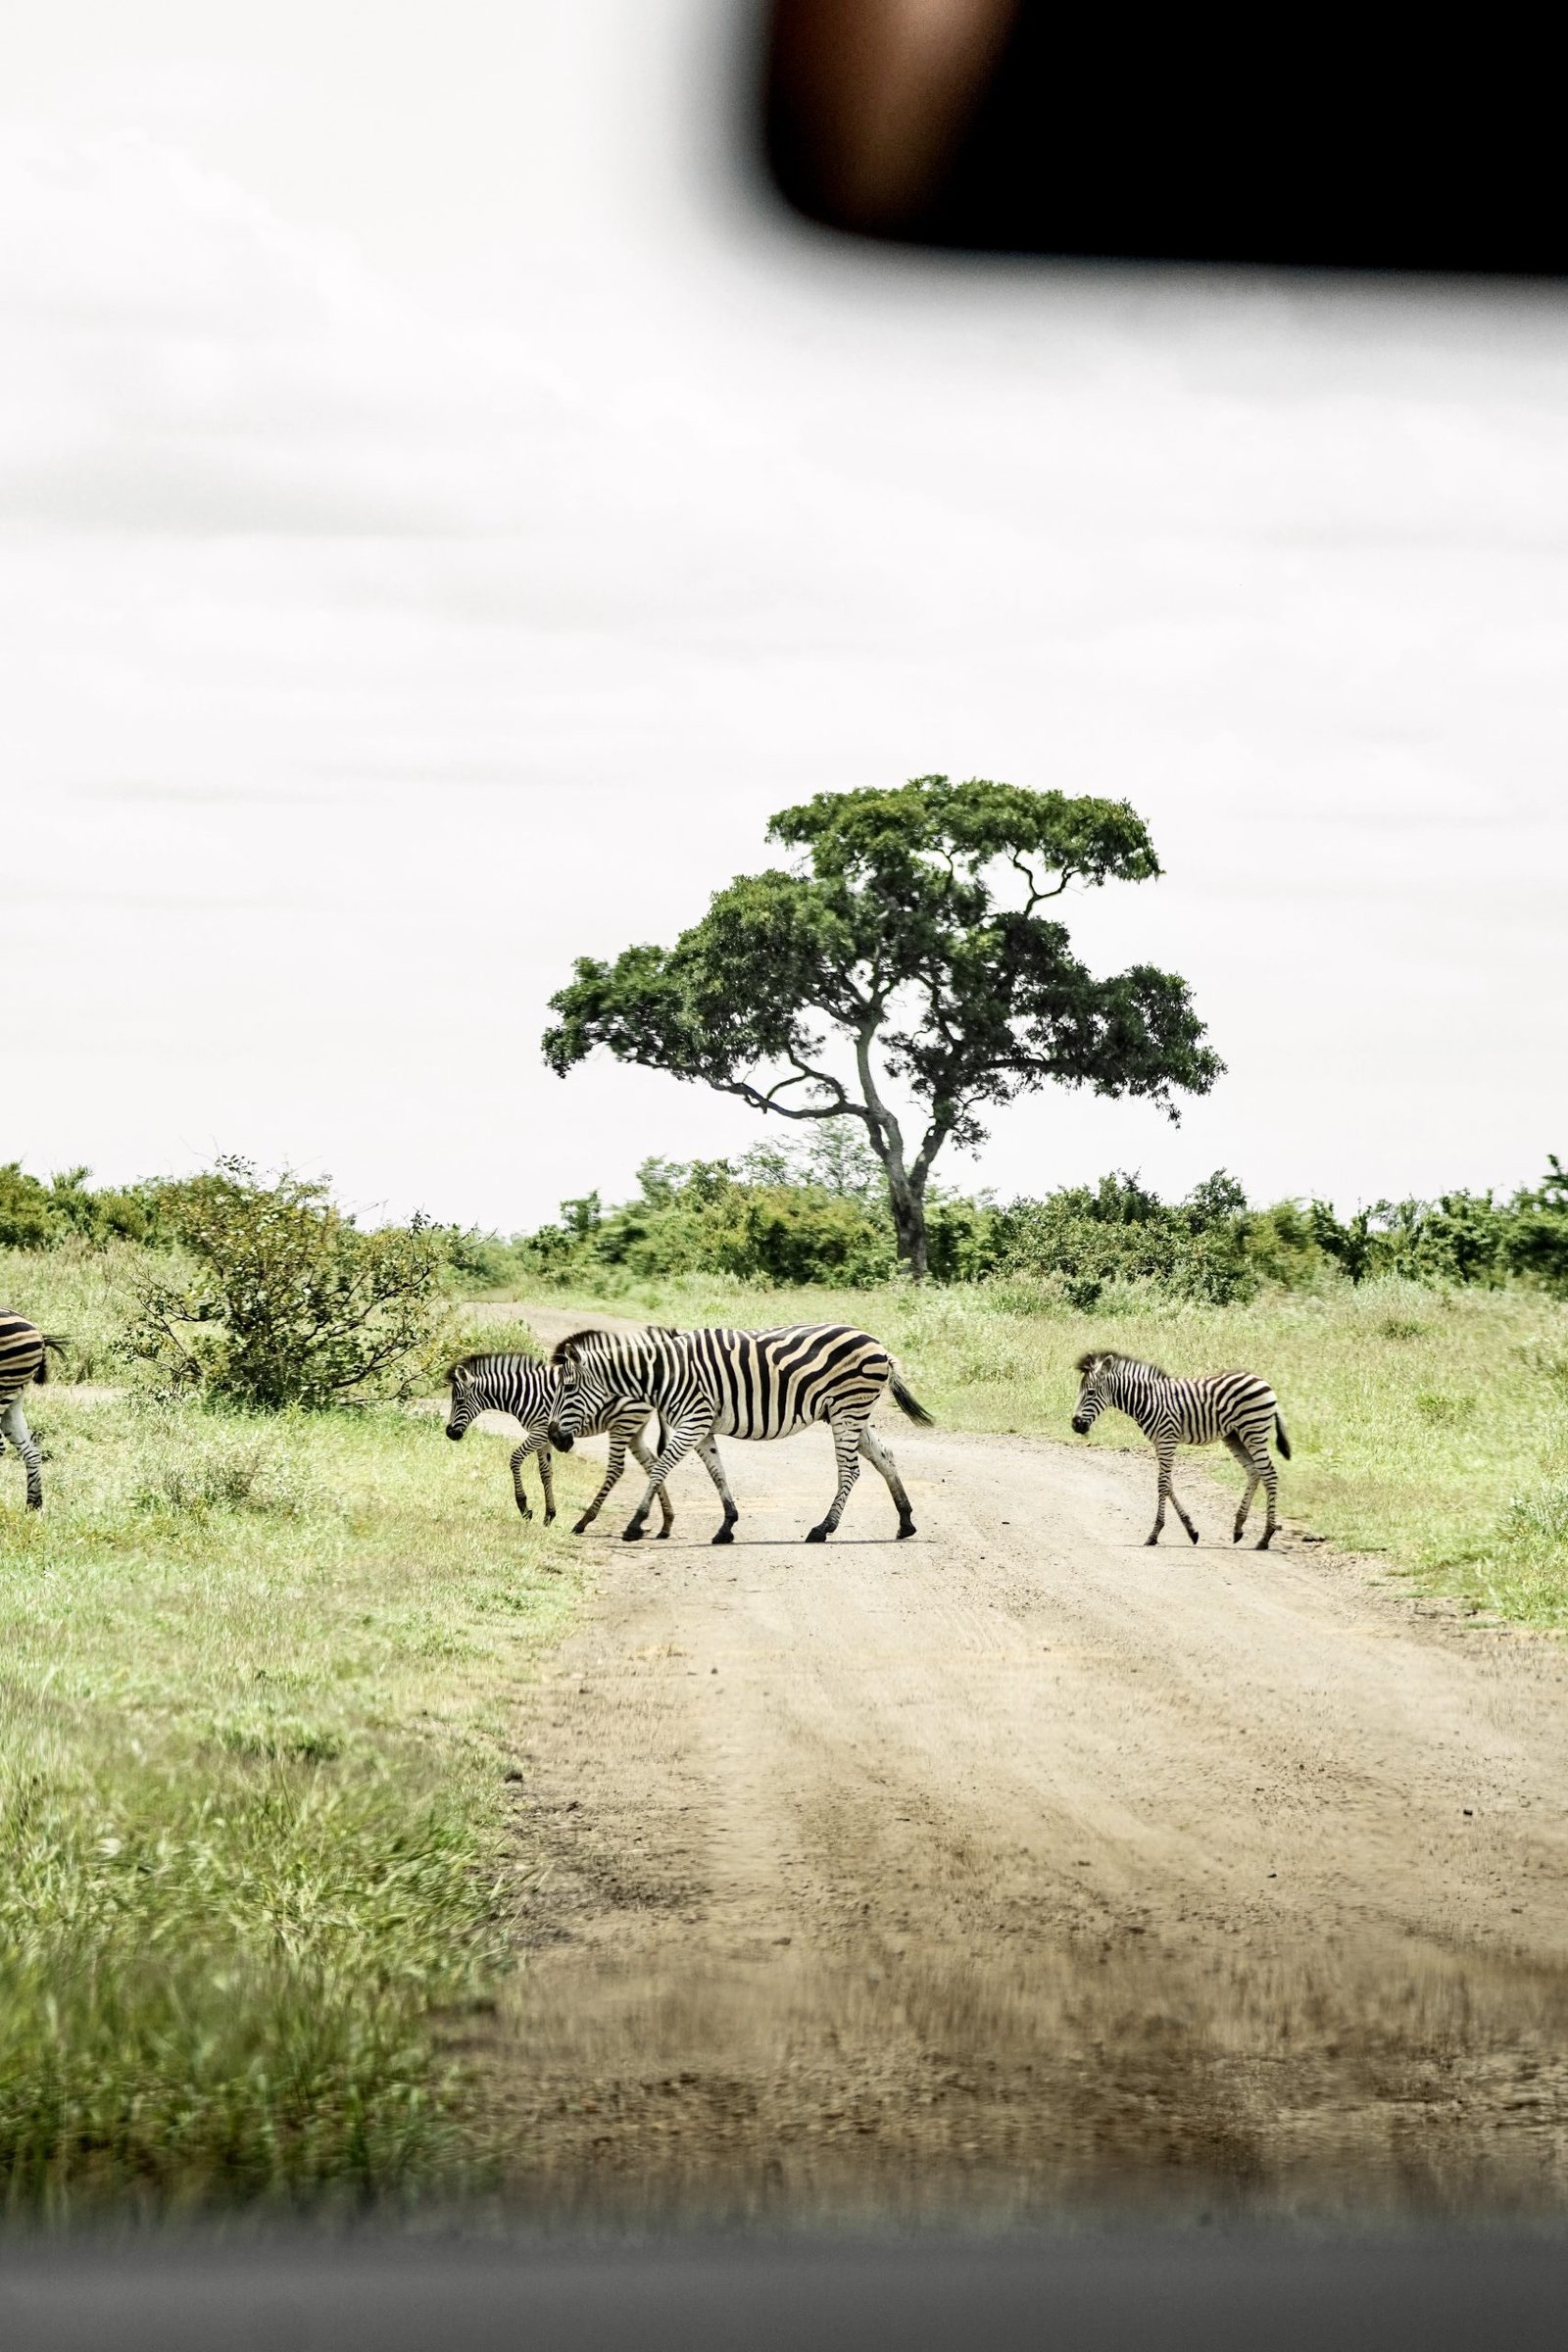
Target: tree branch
(1038, 895)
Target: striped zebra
(738, 1384)
(1237, 1406)
(528, 1389)
(24, 1360)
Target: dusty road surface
(1018, 1866)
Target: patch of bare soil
(1019, 1867)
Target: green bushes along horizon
(773, 1216)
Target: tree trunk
(909, 1226)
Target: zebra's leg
(612, 1470)
(547, 1476)
(678, 1444)
(13, 1422)
(520, 1456)
(1271, 1481)
(1249, 1466)
(709, 1456)
(847, 1446)
(645, 1461)
(1166, 1450)
(877, 1454)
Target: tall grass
(84, 1292)
(254, 1734)
(1430, 1425)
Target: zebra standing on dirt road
(739, 1383)
(23, 1360)
(528, 1389)
(1236, 1406)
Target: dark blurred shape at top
(1374, 138)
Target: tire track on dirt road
(1019, 1865)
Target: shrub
(1120, 1233)
(1538, 1237)
(290, 1303)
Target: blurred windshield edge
(1335, 142)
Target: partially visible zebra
(24, 1360)
(739, 1383)
(528, 1389)
(1236, 1406)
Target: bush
(1461, 1237)
(769, 1218)
(1537, 1239)
(290, 1301)
(1120, 1233)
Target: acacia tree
(909, 948)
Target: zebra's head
(1093, 1399)
(466, 1402)
(584, 1365)
(478, 1386)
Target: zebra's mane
(575, 1340)
(1113, 1355)
(485, 1357)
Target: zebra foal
(1236, 1406)
(739, 1383)
(528, 1389)
(23, 1360)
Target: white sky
(441, 520)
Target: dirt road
(1019, 1864)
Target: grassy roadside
(254, 1731)
(1428, 1425)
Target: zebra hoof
(1149, 1542)
(816, 1534)
(725, 1535)
(1263, 1541)
(583, 1526)
(1193, 1532)
(550, 1518)
(632, 1534)
(906, 1528)
(662, 1534)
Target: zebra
(740, 1383)
(527, 1388)
(1237, 1406)
(23, 1360)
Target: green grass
(83, 1295)
(1431, 1426)
(255, 1699)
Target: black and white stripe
(528, 1389)
(1234, 1406)
(739, 1384)
(23, 1361)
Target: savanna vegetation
(261, 1650)
(262, 1647)
(255, 1714)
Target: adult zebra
(23, 1360)
(739, 1383)
(528, 1389)
(1236, 1406)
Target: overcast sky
(442, 520)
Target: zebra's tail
(908, 1402)
(50, 1339)
(1281, 1439)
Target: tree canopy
(907, 950)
